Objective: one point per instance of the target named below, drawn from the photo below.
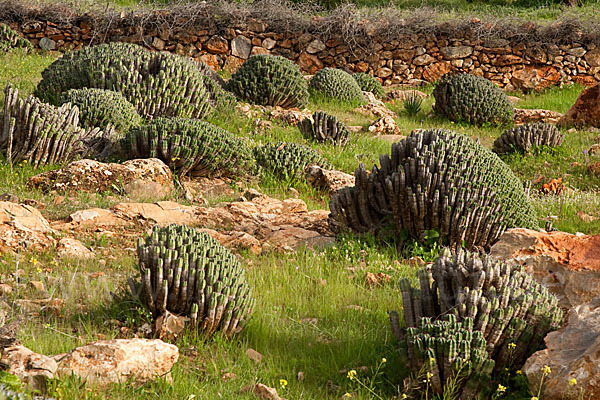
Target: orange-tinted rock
(94, 176)
(119, 360)
(217, 45)
(572, 353)
(434, 72)
(569, 265)
(585, 80)
(527, 115)
(309, 63)
(586, 110)
(535, 78)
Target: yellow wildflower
(283, 383)
(511, 346)
(501, 389)
(383, 360)
(573, 382)
(547, 370)
(351, 374)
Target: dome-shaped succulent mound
(191, 147)
(157, 84)
(187, 272)
(446, 349)
(369, 83)
(269, 80)
(287, 159)
(41, 134)
(472, 99)
(336, 84)
(504, 302)
(100, 108)
(525, 138)
(9, 39)
(435, 180)
(323, 127)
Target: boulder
(374, 107)
(142, 179)
(255, 222)
(291, 116)
(573, 356)
(526, 116)
(569, 265)
(241, 47)
(31, 368)
(23, 226)
(384, 126)
(309, 63)
(401, 95)
(535, 78)
(585, 111)
(68, 247)
(454, 52)
(329, 180)
(434, 72)
(119, 360)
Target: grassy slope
(350, 330)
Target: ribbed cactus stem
(187, 272)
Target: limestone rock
(401, 95)
(534, 78)
(241, 47)
(454, 52)
(217, 45)
(169, 326)
(292, 116)
(33, 369)
(525, 116)
(330, 180)
(47, 44)
(140, 178)
(384, 126)
(434, 72)
(585, 111)
(374, 107)
(315, 46)
(68, 247)
(569, 265)
(22, 225)
(118, 360)
(573, 352)
(253, 223)
(309, 63)
(265, 392)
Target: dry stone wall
(522, 64)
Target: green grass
(314, 314)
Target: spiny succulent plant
(447, 350)
(40, 133)
(191, 147)
(157, 84)
(435, 180)
(336, 84)
(269, 80)
(323, 127)
(526, 137)
(369, 83)
(187, 272)
(512, 311)
(472, 99)
(9, 39)
(100, 108)
(286, 159)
